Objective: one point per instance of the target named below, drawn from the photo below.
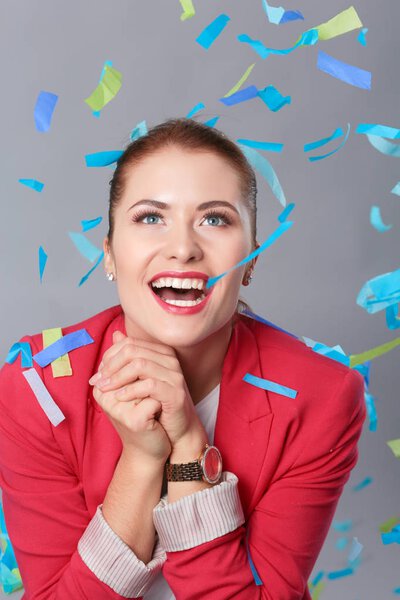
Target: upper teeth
(178, 283)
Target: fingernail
(95, 378)
(103, 382)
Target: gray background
(308, 281)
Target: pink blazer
(292, 458)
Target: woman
(91, 505)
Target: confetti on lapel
(376, 220)
(262, 164)
(208, 36)
(88, 274)
(241, 81)
(241, 96)
(44, 108)
(103, 159)
(86, 225)
(22, 348)
(42, 262)
(270, 146)
(270, 386)
(188, 9)
(61, 366)
(343, 71)
(273, 98)
(106, 90)
(62, 346)
(43, 396)
(85, 247)
(32, 183)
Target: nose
(183, 244)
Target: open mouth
(179, 297)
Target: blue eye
(139, 217)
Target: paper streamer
(286, 212)
(106, 90)
(85, 247)
(384, 146)
(261, 164)
(345, 21)
(387, 525)
(371, 411)
(291, 15)
(22, 348)
(188, 9)
(42, 262)
(273, 98)
(32, 183)
(241, 81)
(380, 292)
(393, 537)
(343, 71)
(364, 483)
(270, 146)
(61, 367)
(336, 353)
(317, 590)
(86, 225)
(195, 110)
(43, 396)
(208, 36)
(322, 156)
(139, 131)
(274, 15)
(211, 122)
(270, 386)
(355, 550)
(376, 220)
(241, 96)
(103, 159)
(268, 242)
(356, 359)
(88, 274)
(394, 445)
(44, 108)
(381, 130)
(318, 143)
(66, 344)
(393, 316)
(342, 525)
(396, 189)
(340, 573)
(341, 543)
(308, 38)
(362, 36)
(97, 113)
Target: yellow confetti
(388, 525)
(106, 90)
(241, 81)
(394, 445)
(317, 589)
(188, 9)
(344, 22)
(61, 367)
(358, 359)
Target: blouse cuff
(200, 517)
(114, 562)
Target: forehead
(174, 172)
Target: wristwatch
(207, 467)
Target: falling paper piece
(356, 359)
(340, 573)
(393, 537)
(381, 130)
(45, 400)
(322, 156)
(268, 242)
(345, 21)
(240, 96)
(388, 525)
(308, 38)
(343, 71)
(362, 36)
(139, 131)
(335, 353)
(103, 159)
(10, 577)
(270, 146)
(195, 110)
(341, 543)
(380, 292)
(396, 189)
(188, 9)
(291, 15)
(42, 262)
(273, 98)
(355, 549)
(343, 525)
(106, 90)
(85, 277)
(211, 122)
(394, 445)
(241, 81)
(43, 112)
(371, 411)
(274, 14)
(32, 183)
(97, 113)
(22, 348)
(61, 366)
(86, 225)
(393, 319)
(313, 145)
(384, 146)
(66, 344)
(359, 486)
(271, 386)
(85, 247)
(286, 212)
(376, 220)
(261, 164)
(212, 31)
(317, 590)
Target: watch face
(212, 464)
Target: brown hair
(189, 135)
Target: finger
(140, 368)
(143, 388)
(129, 352)
(118, 345)
(136, 415)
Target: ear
(109, 265)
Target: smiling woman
(168, 460)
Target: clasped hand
(141, 388)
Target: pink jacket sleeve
(62, 552)
(288, 526)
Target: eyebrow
(203, 206)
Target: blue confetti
(43, 112)
(212, 31)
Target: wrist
(189, 449)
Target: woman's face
(148, 240)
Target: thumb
(118, 336)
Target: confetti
(291, 15)
(86, 225)
(340, 573)
(394, 445)
(43, 112)
(195, 110)
(343, 525)
(271, 386)
(85, 247)
(32, 183)
(322, 156)
(273, 98)
(97, 113)
(106, 90)
(240, 82)
(43, 396)
(380, 130)
(261, 164)
(188, 10)
(208, 36)
(380, 292)
(138, 131)
(318, 143)
(343, 71)
(355, 550)
(286, 212)
(396, 189)
(61, 366)
(384, 146)
(241, 96)
(308, 38)
(103, 159)
(345, 21)
(362, 36)
(85, 277)
(376, 220)
(393, 319)
(270, 146)
(356, 359)
(62, 346)
(42, 262)
(22, 348)
(364, 483)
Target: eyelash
(136, 217)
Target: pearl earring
(110, 276)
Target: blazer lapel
(244, 416)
